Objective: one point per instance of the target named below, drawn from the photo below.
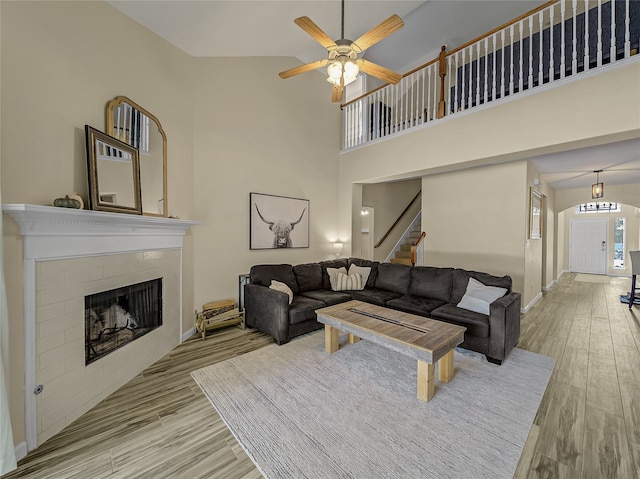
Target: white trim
(550, 285)
(188, 334)
(20, 450)
(532, 303)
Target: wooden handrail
(457, 49)
(395, 223)
(387, 84)
(503, 26)
(414, 247)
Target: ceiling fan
(343, 64)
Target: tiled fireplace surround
(69, 254)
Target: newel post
(442, 70)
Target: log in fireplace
(116, 317)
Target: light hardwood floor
(160, 425)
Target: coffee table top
(422, 338)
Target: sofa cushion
(429, 282)
(375, 296)
(461, 279)
(328, 297)
(477, 324)
(263, 274)
(333, 276)
(415, 304)
(283, 288)
(393, 277)
(363, 271)
(348, 282)
(303, 309)
(308, 276)
(334, 263)
(478, 296)
(373, 274)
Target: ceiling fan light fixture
(334, 70)
(349, 69)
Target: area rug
(592, 278)
(302, 413)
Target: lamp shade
(337, 248)
(597, 190)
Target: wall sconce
(597, 189)
(337, 249)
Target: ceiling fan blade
(315, 31)
(338, 91)
(336, 94)
(373, 36)
(382, 73)
(303, 69)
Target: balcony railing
(559, 39)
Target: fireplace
(69, 254)
(119, 316)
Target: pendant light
(597, 189)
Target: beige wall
(259, 134)
(475, 219)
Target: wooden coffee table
(427, 340)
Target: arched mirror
(129, 122)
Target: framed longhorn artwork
(278, 222)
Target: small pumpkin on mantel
(67, 202)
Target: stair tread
(401, 261)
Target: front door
(588, 245)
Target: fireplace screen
(117, 317)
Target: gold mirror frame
(124, 134)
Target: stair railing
(395, 223)
(417, 248)
(556, 40)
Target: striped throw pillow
(348, 282)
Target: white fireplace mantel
(51, 233)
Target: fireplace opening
(114, 318)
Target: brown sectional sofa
(422, 290)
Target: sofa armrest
(504, 325)
(267, 310)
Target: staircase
(403, 255)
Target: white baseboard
(188, 334)
(563, 272)
(530, 305)
(21, 450)
(550, 285)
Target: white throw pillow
(333, 274)
(479, 296)
(283, 288)
(348, 282)
(363, 271)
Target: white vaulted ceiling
(236, 28)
